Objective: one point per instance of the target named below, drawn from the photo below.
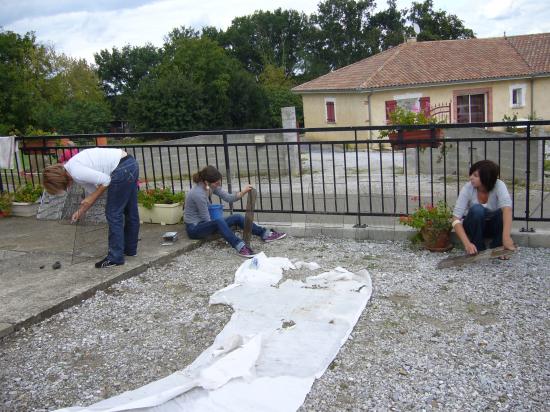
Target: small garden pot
(160, 213)
(436, 240)
(24, 209)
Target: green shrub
(401, 116)
(147, 198)
(28, 193)
(5, 204)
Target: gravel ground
(472, 338)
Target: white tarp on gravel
(281, 337)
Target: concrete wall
(253, 159)
(512, 160)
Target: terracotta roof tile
(441, 62)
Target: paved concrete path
(32, 290)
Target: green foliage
(24, 69)
(434, 217)
(437, 25)
(340, 33)
(28, 193)
(196, 87)
(277, 88)
(405, 117)
(121, 71)
(48, 91)
(148, 198)
(266, 38)
(5, 204)
(513, 118)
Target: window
(517, 95)
(470, 108)
(408, 101)
(330, 111)
(411, 102)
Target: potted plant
(160, 206)
(433, 225)
(406, 117)
(5, 204)
(26, 200)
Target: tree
(121, 72)
(437, 25)
(24, 67)
(389, 27)
(277, 88)
(198, 86)
(44, 91)
(80, 105)
(266, 38)
(341, 33)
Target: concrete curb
(540, 238)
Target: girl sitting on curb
(197, 219)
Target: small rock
(56, 265)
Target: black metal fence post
(527, 178)
(358, 225)
(227, 166)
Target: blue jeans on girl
(223, 226)
(121, 210)
(481, 223)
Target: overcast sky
(80, 28)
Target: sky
(80, 28)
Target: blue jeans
(121, 210)
(223, 227)
(481, 223)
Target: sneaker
(106, 263)
(274, 236)
(246, 252)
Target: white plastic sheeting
(280, 338)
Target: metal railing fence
(348, 175)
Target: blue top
(196, 203)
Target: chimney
(411, 39)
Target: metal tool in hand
(249, 216)
(464, 260)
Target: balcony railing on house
(328, 171)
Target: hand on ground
(508, 243)
(471, 249)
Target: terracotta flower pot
(436, 240)
(416, 135)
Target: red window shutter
(425, 106)
(391, 105)
(331, 118)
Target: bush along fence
(344, 171)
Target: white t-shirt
(498, 198)
(93, 167)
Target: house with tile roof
(472, 80)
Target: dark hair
(488, 173)
(208, 174)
